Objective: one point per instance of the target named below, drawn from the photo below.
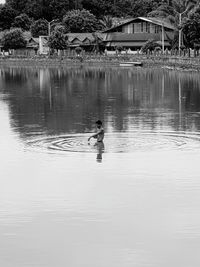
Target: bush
(150, 46)
(78, 50)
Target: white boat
(126, 65)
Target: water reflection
(55, 101)
(100, 149)
(140, 207)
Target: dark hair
(99, 122)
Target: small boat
(126, 65)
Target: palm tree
(175, 11)
(107, 22)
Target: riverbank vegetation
(45, 17)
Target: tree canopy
(191, 30)
(58, 40)
(172, 9)
(22, 21)
(51, 9)
(39, 28)
(80, 21)
(13, 39)
(7, 16)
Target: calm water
(133, 202)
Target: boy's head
(98, 123)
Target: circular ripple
(119, 142)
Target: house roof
(82, 37)
(157, 21)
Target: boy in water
(100, 132)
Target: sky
(2, 1)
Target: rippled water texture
(132, 200)
(119, 142)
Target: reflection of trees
(70, 100)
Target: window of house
(144, 27)
(147, 27)
(157, 29)
(137, 27)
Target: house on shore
(134, 33)
(31, 49)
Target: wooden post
(163, 39)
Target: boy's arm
(96, 134)
(93, 136)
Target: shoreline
(182, 64)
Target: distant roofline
(156, 21)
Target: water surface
(134, 201)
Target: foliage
(191, 30)
(13, 39)
(17, 5)
(7, 15)
(48, 9)
(120, 8)
(98, 42)
(78, 50)
(150, 45)
(172, 9)
(119, 49)
(39, 28)
(22, 21)
(103, 10)
(58, 40)
(58, 27)
(107, 22)
(80, 21)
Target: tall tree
(176, 11)
(173, 9)
(191, 30)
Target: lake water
(134, 201)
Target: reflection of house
(85, 40)
(134, 33)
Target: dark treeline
(97, 15)
(51, 9)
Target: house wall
(139, 27)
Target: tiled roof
(83, 36)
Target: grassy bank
(189, 64)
